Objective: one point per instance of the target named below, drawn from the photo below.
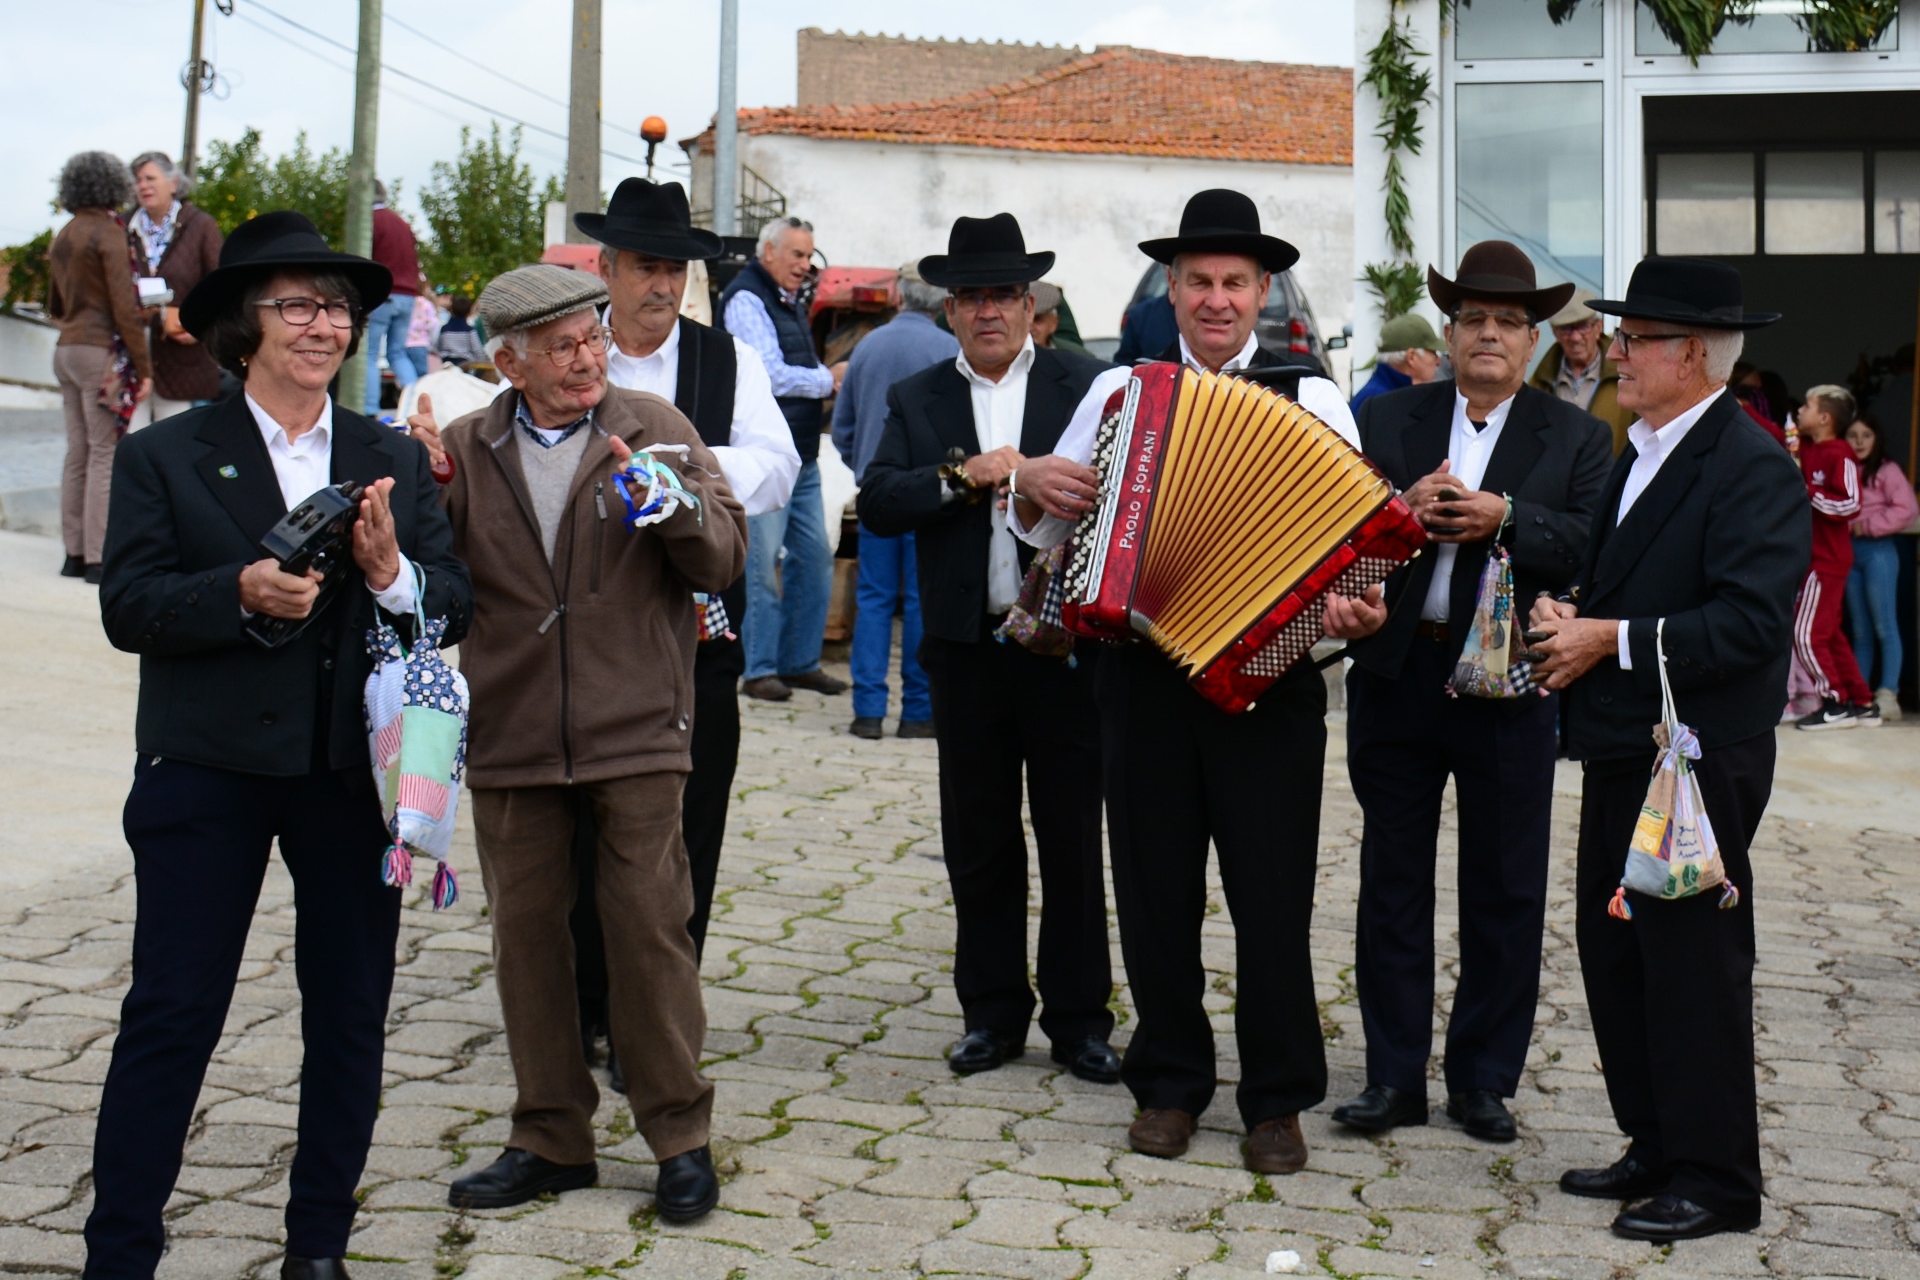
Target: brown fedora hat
(1499, 272)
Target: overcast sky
(105, 73)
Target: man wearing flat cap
(1001, 714)
(581, 662)
(1182, 774)
(1701, 539)
(1491, 467)
(1576, 369)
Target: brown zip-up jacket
(582, 670)
(92, 296)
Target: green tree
(237, 181)
(28, 275)
(484, 213)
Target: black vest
(1286, 381)
(804, 416)
(703, 391)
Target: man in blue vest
(786, 599)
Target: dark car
(1286, 325)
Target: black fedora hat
(982, 252)
(282, 240)
(650, 218)
(1496, 271)
(1690, 291)
(1222, 221)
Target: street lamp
(653, 131)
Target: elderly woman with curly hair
(93, 301)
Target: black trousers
(1404, 738)
(715, 747)
(200, 840)
(1670, 992)
(1001, 713)
(1182, 773)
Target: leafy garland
(1832, 26)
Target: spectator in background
(457, 343)
(1053, 320)
(180, 244)
(1409, 356)
(1833, 487)
(421, 331)
(889, 577)
(1749, 386)
(94, 302)
(789, 559)
(1577, 370)
(395, 249)
(1146, 329)
(1887, 506)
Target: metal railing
(760, 202)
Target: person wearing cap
(1576, 369)
(889, 578)
(1483, 460)
(1409, 356)
(1053, 324)
(581, 664)
(1701, 540)
(242, 745)
(1182, 774)
(1002, 714)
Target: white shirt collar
(1018, 369)
(1665, 440)
(1496, 416)
(1241, 361)
(318, 436)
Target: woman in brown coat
(92, 300)
(179, 243)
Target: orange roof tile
(1119, 101)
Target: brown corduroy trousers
(92, 435)
(658, 1017)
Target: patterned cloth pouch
(417, 735)
(710, 612)
(1489, 666)
(1034, 621)
(1673, 853)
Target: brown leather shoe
(768, 689)
(1275, 1146)
(1161, 1133)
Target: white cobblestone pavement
(846, 1146)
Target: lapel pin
(229, 472)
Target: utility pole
(726, 124)
(360, 174)
(583, 118)
(194, 80)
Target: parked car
(1286, 325)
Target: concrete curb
(31, 510)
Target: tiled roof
(1119, 101)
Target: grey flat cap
(532, 295)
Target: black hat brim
(983, 271)
(1271, 252)
(675, 245)
(1679, 314)
(220, 290)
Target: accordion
(1226, 513)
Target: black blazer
(192, 496)
(1552, 458)
(1718, 545)
(929, 413)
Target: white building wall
(881, 204)
(1421, 172)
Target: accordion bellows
(1227, 512)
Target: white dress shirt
(1318, 396)
(304, 466)
(1654, 446)
(999, 415)
(759, 460)
(1468, 449)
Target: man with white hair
(1700, 542)
(787, 595)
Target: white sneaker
(1831, 715)
(1889, 703)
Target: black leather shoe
(589, 1045)
(1381, 1107)
(92, 574)
(872, 728)
(1482, 1113)
(616, 1078)
(980, 1051)
(517, 1177)
(687, 1187)
(1624, 1179)
(916, 729)
(293, 1268)
(73, 567)
(1090, 1058)
(1667, 1218)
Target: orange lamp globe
(653, 129)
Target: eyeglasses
(1627, 340)
(563, 350)
(301, 311)
(1508, 322)
(1002, 296)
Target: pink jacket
(1887, 504)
